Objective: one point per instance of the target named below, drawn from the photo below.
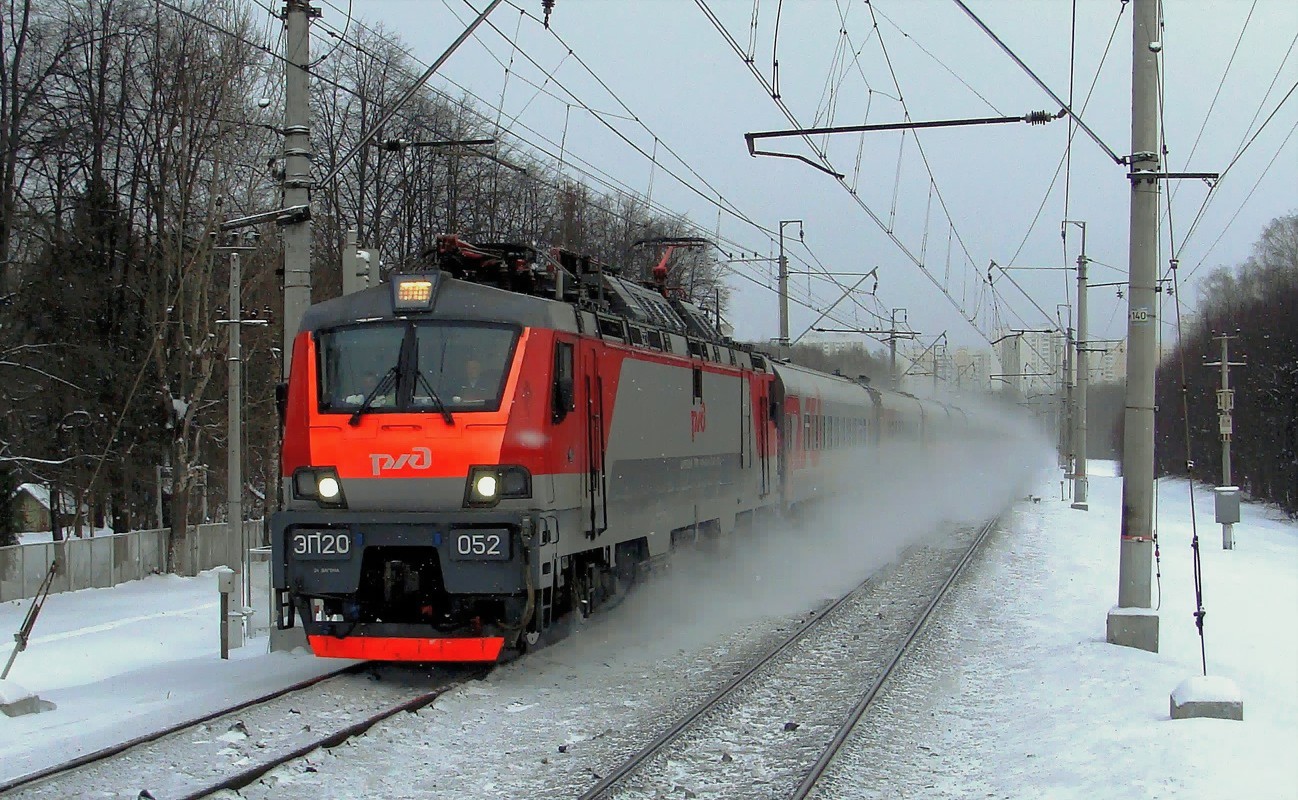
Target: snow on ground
(123, 662)
(45, 537)
(1014, 694)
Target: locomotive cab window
(403, 366)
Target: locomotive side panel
(675, 451)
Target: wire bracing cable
(823, 158)
(1073, 132)
(1014, 57)
(721, 203)
(1221, 83)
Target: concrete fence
(104, 561)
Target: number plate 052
(490, 545)
(322, 544)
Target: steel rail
(845, 730)
(251, 773)
(648, 751)
(245, 777)
(121, 747)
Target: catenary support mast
(297, 171)
(1083, 381)
(1132, 623)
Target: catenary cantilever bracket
(1032, 118)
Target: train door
(591, 404)
(763, 436)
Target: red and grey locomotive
(472, 452)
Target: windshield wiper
(389, 378)
(437, 401)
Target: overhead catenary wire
(919, 145)
(939, 61)
(1267, 95)
(1068, 143)
(588, 170)
(1072, 132)
(1221, 83)
(721, 202)
(214, 26)
(1247, 196)
(721, 199)
(1080, 122)
(820, 154)
(1203, 207)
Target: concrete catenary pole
(237, 543)
(234, 448)
(892, 351)
(1067, 419)
(1226, 426)
(784, 282)
(1083, 383)
(784, 292)
(1016, 367)
(1132, 623)
(296, 233)
(1227, 535)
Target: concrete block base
(16, 701)
(234, 630)
(1133, 627)
(1207, 696)
(1082, 506)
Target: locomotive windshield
(413, 366)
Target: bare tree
(1254, 302)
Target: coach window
(698, 384)
(563, 395)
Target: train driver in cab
(474, 385)
(369, 380)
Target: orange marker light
(414, 293)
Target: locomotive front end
(408, 479)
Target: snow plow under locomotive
(473, 452)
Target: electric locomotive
(473, 452)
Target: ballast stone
(1207, 696)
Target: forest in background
(128, 132)
(1256, 302)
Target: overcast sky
(667, 63)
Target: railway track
(775, 727)
(231, 749)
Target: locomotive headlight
(328, 488)
(489, 485)
(320, 484)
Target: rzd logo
(418, 458)
(698, 420)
